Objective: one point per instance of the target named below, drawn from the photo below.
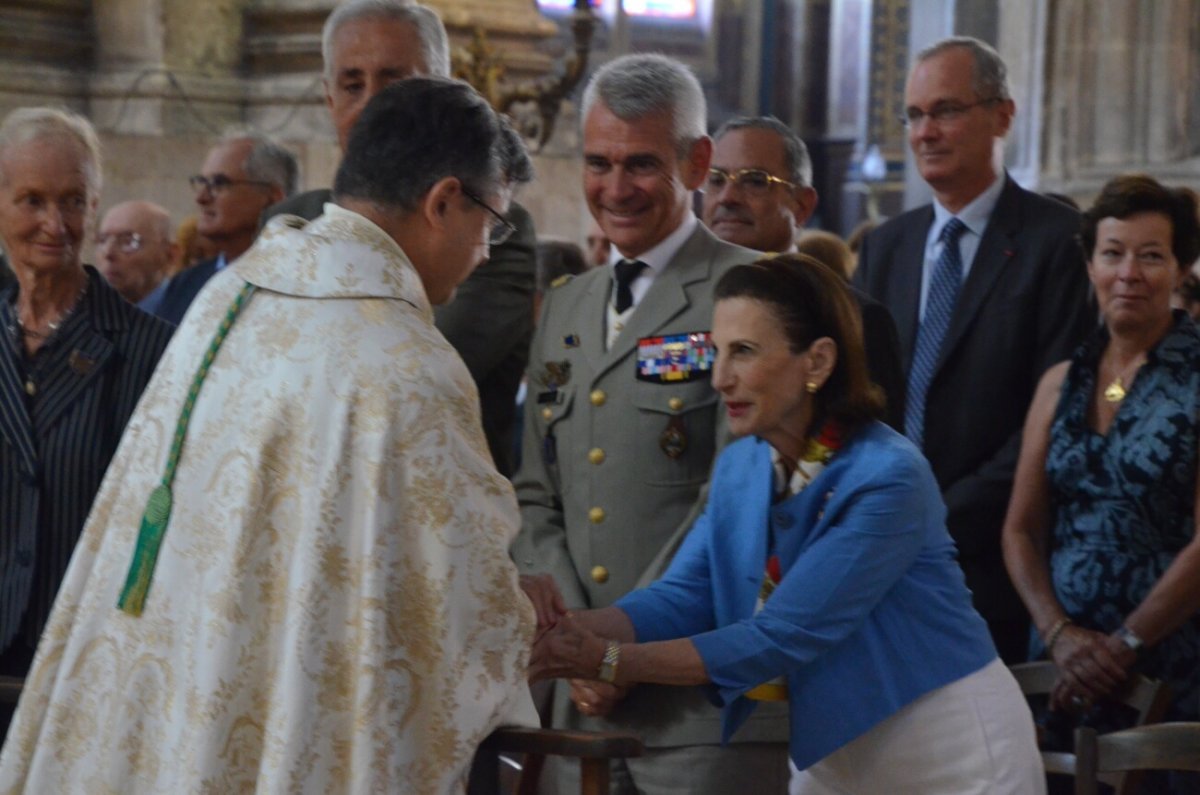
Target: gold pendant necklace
(1115, 392)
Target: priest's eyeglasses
(127, 242)
(501, 229)
(942, 112)
(752, 181)
(218, 183)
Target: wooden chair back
(1163, 746)
(10, 689)
(593, 749)
(1149, 698)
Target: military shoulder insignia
(561, 280)
(675, 358)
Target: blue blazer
(182, 289)
(871, 613)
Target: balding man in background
(135, 251)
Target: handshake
(565, 647)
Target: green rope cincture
(158, 507)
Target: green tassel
(158, 507)
(145, 554)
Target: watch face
(1126, 636)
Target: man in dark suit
(988, 289)
(367, 45)
(615, 456)
(759, 194)
(243, 174)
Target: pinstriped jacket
(56, 444)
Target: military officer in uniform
(622, 423)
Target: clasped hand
(564, 648)
(1091, 666)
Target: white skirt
(974, 736)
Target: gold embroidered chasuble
(333, 608)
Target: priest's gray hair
(419, 131)
(989, 77)
(636, 86)
(24, 125)
(435, 45)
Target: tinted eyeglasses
(501, 229)
(219, 183)
(753, 181)
(128, 242)
(942, 112)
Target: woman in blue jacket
(820, 573)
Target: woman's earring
(811, 386)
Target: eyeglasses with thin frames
(128, 242)
(501, 229)
(753, 181)
(219, 183)
(942, 112)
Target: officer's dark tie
(626, 272)
(939, 306)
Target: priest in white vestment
(332, 607)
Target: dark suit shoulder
(307, 205)
(182, 288)
(896, 227)
(193, 277)
(130, 329)
(1033, 210)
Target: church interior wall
(162, 78)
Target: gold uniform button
(599, 574)
(547, 414)
(675, 403)
(596, 455)
(596, 515)
(598, 397)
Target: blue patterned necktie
(939, 306)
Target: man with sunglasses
(242, 175)
(134, 252)
(758, 194)
(988, 289)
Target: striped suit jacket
(56, 444)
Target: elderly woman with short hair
(74, 358)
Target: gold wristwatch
(608, 666)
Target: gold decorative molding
(533, 104)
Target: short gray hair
(435, 45)
(989, 77)
(636, 86)
(795, 153)
(39, 124)
(268, 161)
(418, 131)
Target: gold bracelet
(608, 666)
(1055, 631)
